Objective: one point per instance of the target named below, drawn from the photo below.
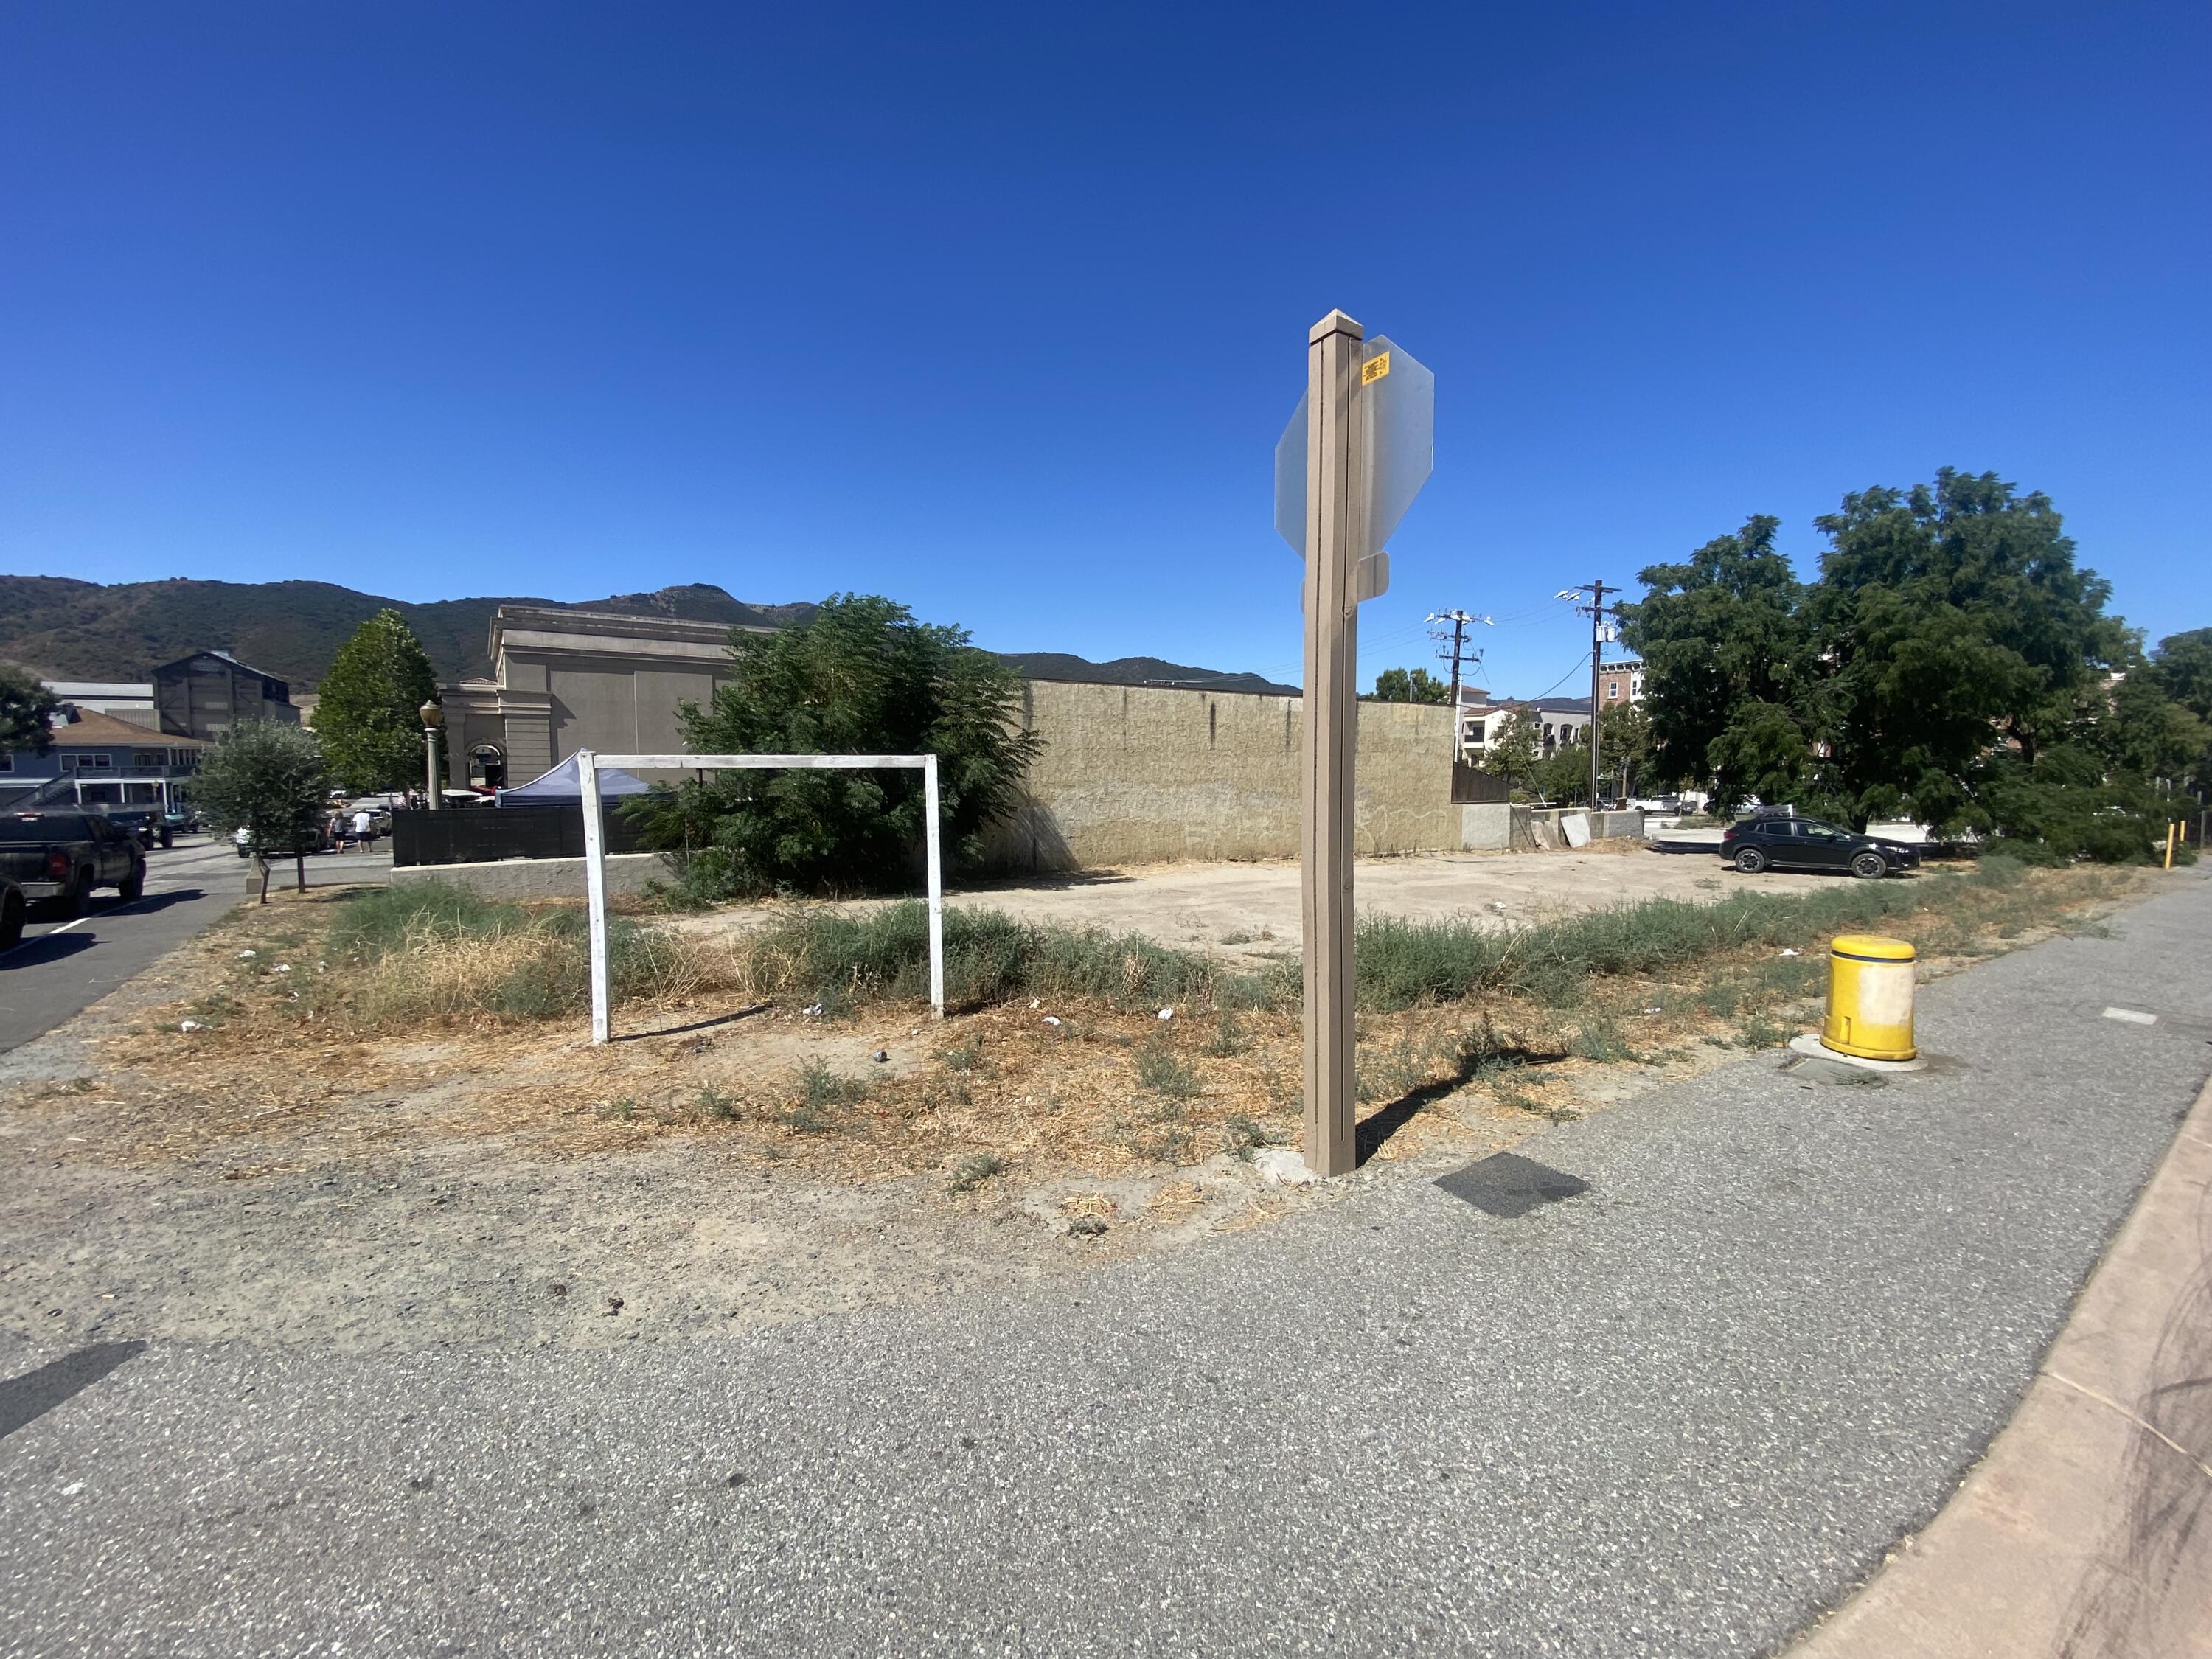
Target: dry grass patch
(353, 1029)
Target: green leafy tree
(1397, 686)
(1562, 777)
(369, 715)
(2182, 668)
(861, 676)
(1946, 615)
(1625, 746)
(1514, 747)
(268, 780)
(1730, 667)
(25, 712)
(2139, 729)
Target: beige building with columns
(565, 680)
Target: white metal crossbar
(595, 851)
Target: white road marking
(2131, 1016)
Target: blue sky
(1000, 310)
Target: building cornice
(547, 629)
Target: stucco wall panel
(1135, 774)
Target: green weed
(1244, 1136)
(1760, 1032)
(989, 957)
(1160, 1071)
(1398, 963)
(973, 1170)
(1602, 1040)
(819, 1092)
(1228, 1038)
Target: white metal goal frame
(595, 847)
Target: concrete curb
(2085, 1530)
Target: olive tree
(268, 780)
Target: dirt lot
(268, 1174)
(1235, 910)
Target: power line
(1563, 679)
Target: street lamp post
(432, 718)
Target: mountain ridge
(1138, 671)
(61, 628)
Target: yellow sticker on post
(1375, 368)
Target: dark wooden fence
(1471, 787)
(483, 834)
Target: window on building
(7, 760)
(147, 760)
(92, 761)
(1476, 732)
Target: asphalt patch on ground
(1508, 1185)
(1836, 1072)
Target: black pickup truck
(62, 856)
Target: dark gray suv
(1793, 843)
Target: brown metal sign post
(1355, 453)
(1336, 534)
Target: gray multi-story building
(204, 695)
(1555, 721)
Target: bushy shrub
(861, 676)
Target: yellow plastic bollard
(1870, 997)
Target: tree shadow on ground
(47, 947)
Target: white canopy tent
(565, 782)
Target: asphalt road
(62, 966)
(1668, 1385)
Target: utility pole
(1459, 620)
(1596, 612)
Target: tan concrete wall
(1487, 826)
(1137, 775)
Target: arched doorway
(487, 767)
